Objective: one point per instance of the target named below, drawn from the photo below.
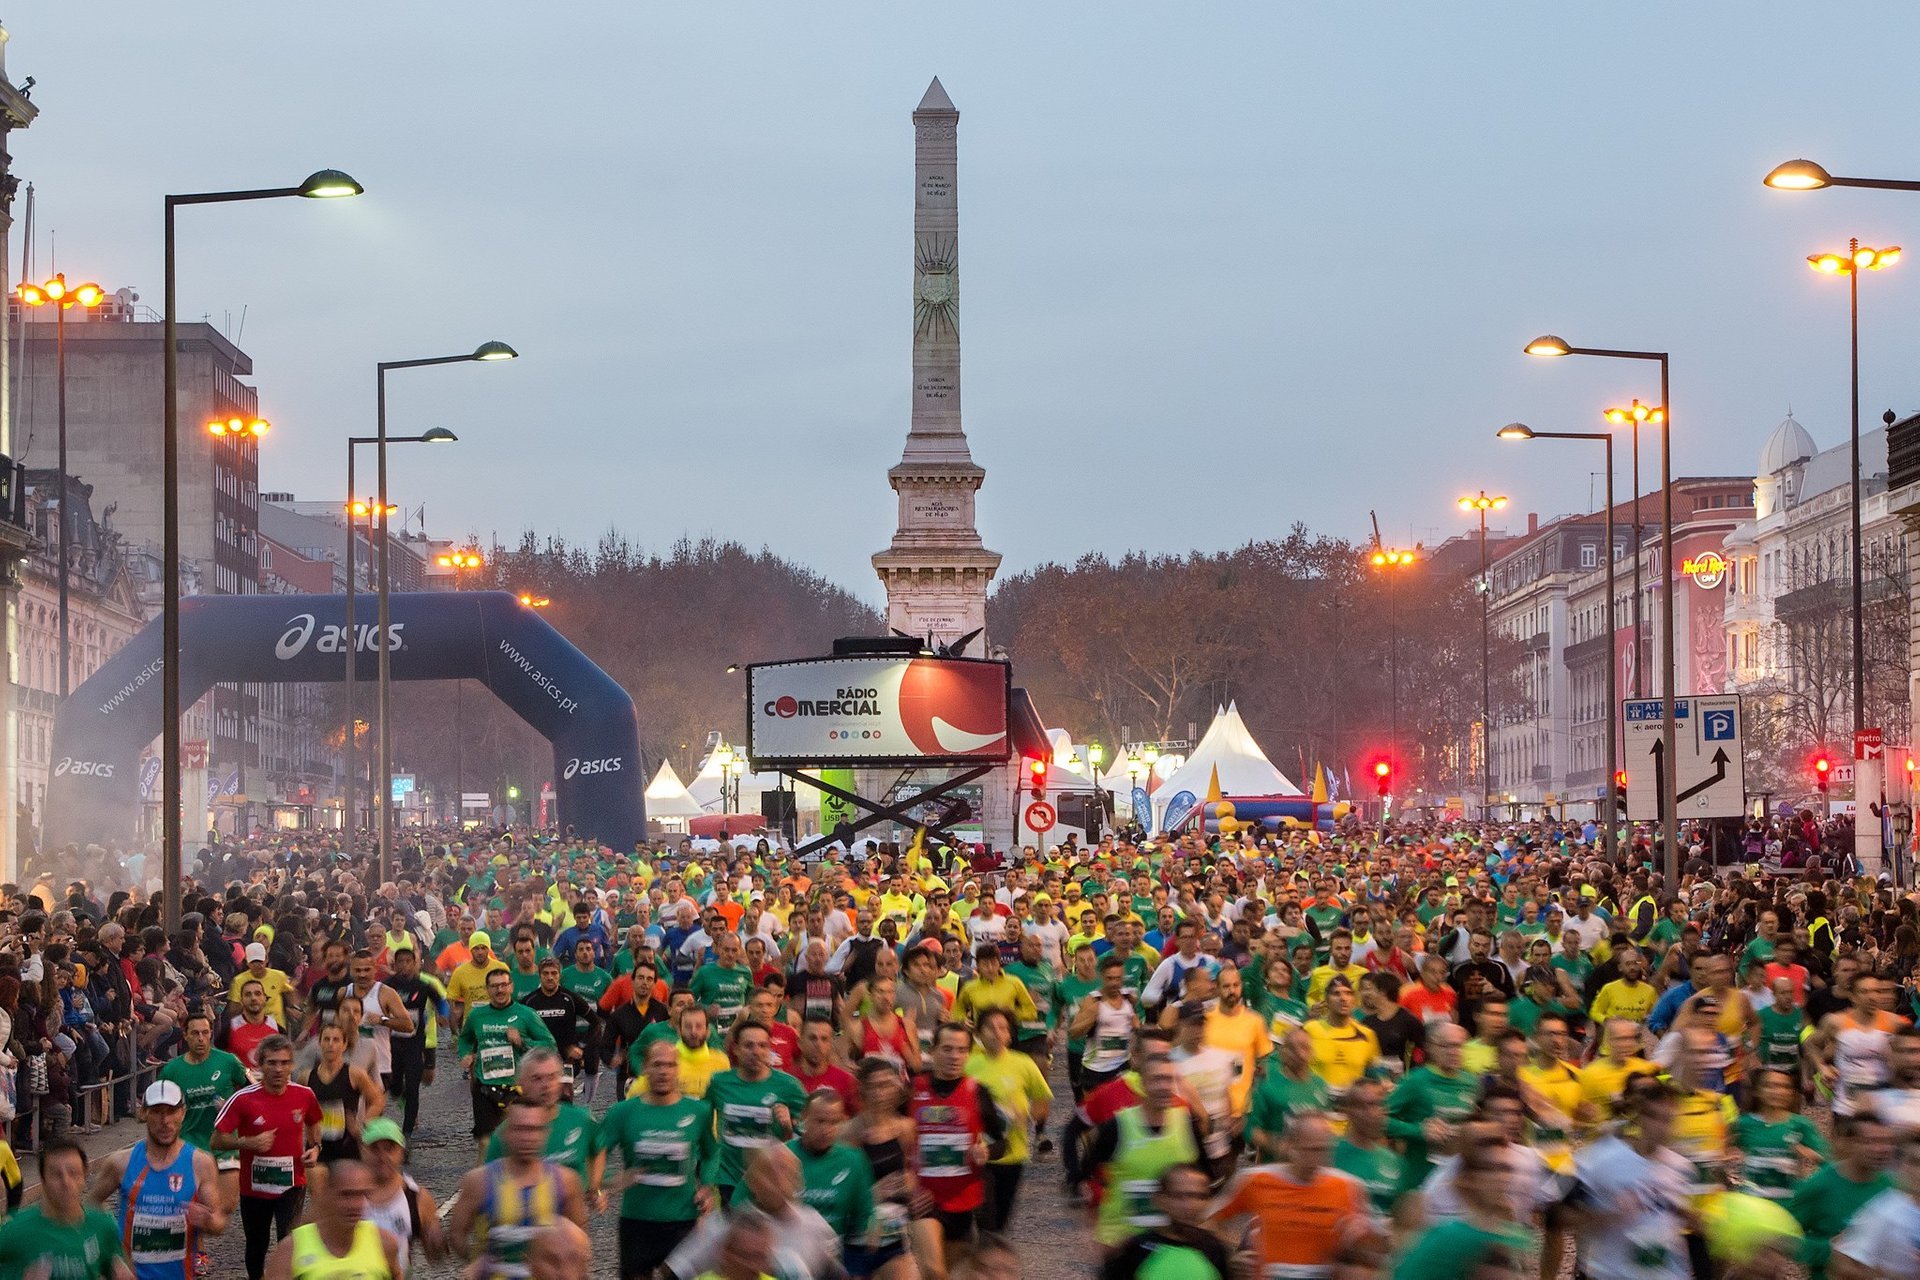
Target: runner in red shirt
(275, 1126)
(1432, 999)
(958, 1129)
(815, 1068)
(247, 1029)
(765, 1004)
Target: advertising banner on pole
(877, 710)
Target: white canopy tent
(668, 797)
(1243, 766)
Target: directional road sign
(1709, 769)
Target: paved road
(1052, 1236)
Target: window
(1589, 555)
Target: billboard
(877, 710)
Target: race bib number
(155, 1238)
(496, 1063)
(333, 1120)
(272, 1175)
(944, 1155)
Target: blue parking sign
(1718, 726)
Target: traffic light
(1822, 770)
(1383, 776)
(1620, 794)
(1037, 778)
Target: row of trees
(664, 625)
(1301, 631)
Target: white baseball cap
(165, 1093)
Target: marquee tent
(668, 797)
(1230, 748)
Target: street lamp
(1552, 345)
(1856, 259)
(325, 184)
(365, 510)
(1609, 833)
(1805, 175)
(1633, 416)
(738, 768)
(532, 601)
(1481, 503)
(485, 352)
(1391, 560)
(56, 293)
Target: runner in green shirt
(1364, 1152)
(570, 1129)
(61, 1238)
(724, 985)
(207, 1078)
(753, 1105)
(1078, 983)
(497, 1033)
(835, 1179)
(1782, 1029)
(1043, 986)
(1431, 1100)
(664, 1139)
(1283, 1089)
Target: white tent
(668, 797)
(705, 787)
(1244, 769)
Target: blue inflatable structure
(93, 795)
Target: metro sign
(1708, 570)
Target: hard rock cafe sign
(1707, 570)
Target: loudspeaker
(778, 808)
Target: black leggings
(260, 1215)
(1003, 1182)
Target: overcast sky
(1227, 266)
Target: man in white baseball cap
(170, 1186)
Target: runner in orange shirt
(1304, 1216)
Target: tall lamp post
(486, 351)
(1481, 503)
(56, 293)
(326, 184)
(1391, 561)
(1856, 259)
(1634, 416)
(365, 509)
(1548, 345)
(1609, 829)
(462, 562)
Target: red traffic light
(1037, 776)
(1383, 775)
(1620, 777)
(1822, 769)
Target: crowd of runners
(1452, 1051)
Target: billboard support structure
(878, 811)
(888, 704)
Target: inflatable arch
(93, 793)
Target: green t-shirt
(1449, 1250)
(1423, 1095)
(663, 1149)
(838, 1185)
(1769, 1155)
(524, 984)
(743, 1118)
(589, 986)
(205, 1087)
(569, 1140)
(1781, 1032)
(723, 991)
(82, 1250)
(1072, 990)
(1278, 1095)
(1041, 985)
(1663, 934)
(1380, 1168)
(484, 1035)
(1823, 1205)
(1577, 969)
(1759, 951)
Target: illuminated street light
(323, 184)
(238, 427)
(1554, 345)
(1393, 559)
(532, 601)
(56, 293)
(1609, 824)
(1857, 259)
(1805, 175)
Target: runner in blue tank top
(169, 1192)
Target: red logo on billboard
(954, 708)
(786, 708)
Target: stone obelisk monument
(936, 571)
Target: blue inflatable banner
(93, 795)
